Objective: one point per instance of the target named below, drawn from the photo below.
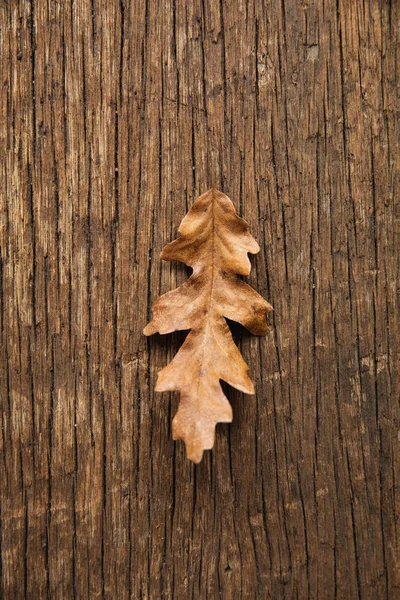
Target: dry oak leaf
(214, 241)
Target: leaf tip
(149, 329)
(254, 247)
(195, 455)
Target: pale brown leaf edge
(215, 242)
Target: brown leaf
(214, 241)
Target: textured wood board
(115, 115)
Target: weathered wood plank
(114, 116)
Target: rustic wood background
(115, 115)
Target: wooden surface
(115, 115)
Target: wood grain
(115, 115)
